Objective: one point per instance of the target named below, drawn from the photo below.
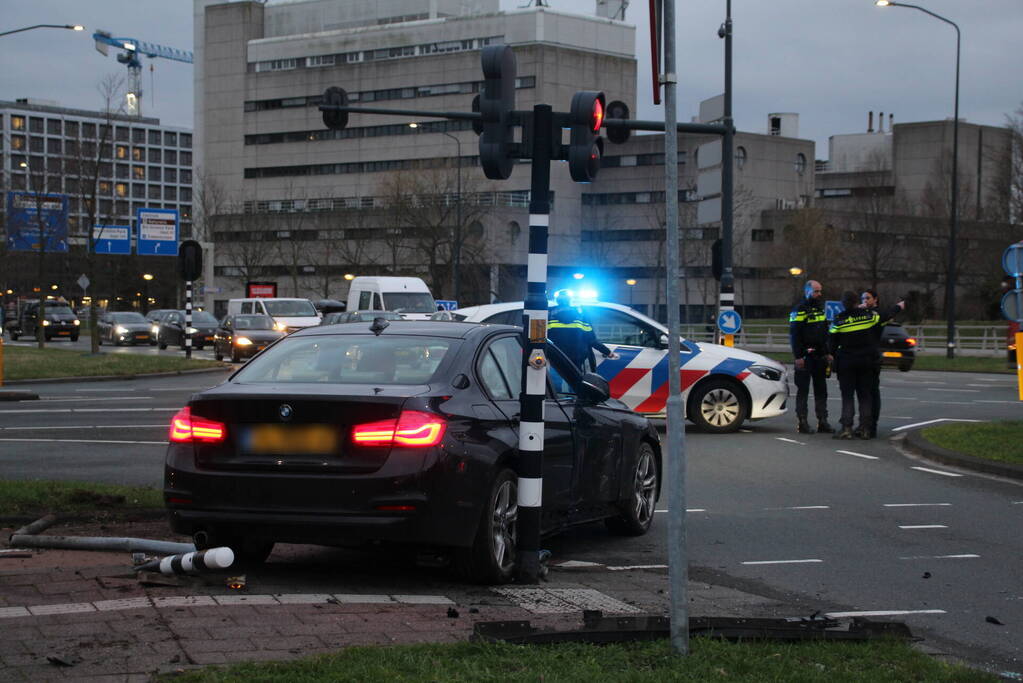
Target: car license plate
(209, 339)
(892, 354)
(63, 332)
(291, 439)
(142, 336)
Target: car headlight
(76, 323)
(121, 330)
(46, 323)
(191, 330)
(242, 341)
(280, 327)
(155, 329)
(766, 372)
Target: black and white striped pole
(190, 267)
(191, 563)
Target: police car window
(500, 368)
(615, 327)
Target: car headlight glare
(766, 372)
(76, 323)
(280, 327)
(121, 330)
(191, 330)
(46, 323)
(242, 341)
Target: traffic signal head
(618, 111)
(190, 260)
(496, 107)
(716, 263)
(335, 120)
(585, 145)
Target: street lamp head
(578, 276)
(630, 282)
(349, 276)
(77, 27)
(883, 3)
(413, 125)
(795, 271)
(147, 276)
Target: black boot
(803, 427)
(846, 433)
(824, 428)
(862, 433)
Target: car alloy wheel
(491, 559)
(717, 407)
(638, 510)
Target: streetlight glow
(795, 271)
(630, 282)
(147, 276)
(70, 27)
(349, 276)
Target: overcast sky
(830, 61)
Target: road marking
(922, 526)
(145, 443)
(50, 428)
(946, 474)
(782, 438)
(97, 398)
(859, 455)
(687, 510)
(901, 417)
(982, 400)
(941, 557)
(951, 403)
(967, 391)
(564, 600)
(782, 561)
(916, 505)
(884, 613)
(638, 566)
(92, 410)
(803, 507)
(89, 391)
(931, 422)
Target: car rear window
(348, 359)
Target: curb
(921, 446)
(107, 378)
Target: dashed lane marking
(782, 438)
(93, 399)
(941, 472)
(859, 455)
(966, 391)
(92, 410)
(922, 526)
(564, 600)
(884, 613)
(637, 566)
(51, 428)
(687, 510)
(803, 507)
(783, 562)
(916, 505)
(965, 556)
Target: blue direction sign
(1012, 260)
(729, 322)
(1012, 305)
(111, 239)
(446, 305)
(157, 232)
(832, 308)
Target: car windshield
(348, 359)
(410, 302)
(61, 309)
(203, 318)
(297, 308)
(127, 317)
(253, 322)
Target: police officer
(808, 335)
(855, 343)
(573, 334)
(870, 301)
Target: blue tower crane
(130, 57)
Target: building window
(18, 142)
(35, 144)
(154, 137)
(800, 163)
(137, 154)
(35, 124)
(138, 172)
(71, 129)
(740, 157)
(154, 155)
(186, 158)
(138, 135)
(122, 152)
(186, 194)
(186, 176)
(154, 173)
(89, 130)
(138, 190)
(17, 123)
(121, 189)
(154, 192)
(170, 157)
(763, 235)
(168, 192)
(104, 187)
(170, 139)
(122, 170)
(53, 145)
(53, 126)
(171, 175)
(122, 133)
(186, 140)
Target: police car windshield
(302, 309)
(410, 302)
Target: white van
(288, 314)
(407, 296)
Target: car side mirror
(663, 341)
(593, 388)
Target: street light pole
(456, 247)
(70, 27)
(950, 282)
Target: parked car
(358, 317)
(124, 327)
(898, 349)
(329, 437)
(243, 336)
(58, 320)
(722, 386)
(171, 329)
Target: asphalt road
(841, 526)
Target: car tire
(99, 340)
(717, 406)
(14, 335)
(905, 367)
(491, 559)
(217, 355)
(74, 337)
(637, 510)
(161, 343)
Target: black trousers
(875, 396)
(813, 371)
(856, 385)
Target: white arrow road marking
(782, 561)
(946, 474)
(859, 455)
(931, 422)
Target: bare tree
(246, 244)
(872, 236)
(814, 245)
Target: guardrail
(977, 339)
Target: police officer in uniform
(870, 301)
(855, 343)
(573, 334)
(808, 335)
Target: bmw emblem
(285, 411)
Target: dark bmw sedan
(898, 348)
(403, 432)
(243, 336)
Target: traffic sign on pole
(729, 322)
(1012, 260)
(111, 239)
(832, 308)
(157, 232)
(1012, 305)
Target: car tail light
(911, 341)
(186, 428)
(412, 429)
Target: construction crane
(130, 57)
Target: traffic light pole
(534, 369)
(726, 297)
(188, 318)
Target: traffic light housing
(335, 120)
(585, 144)
(618, 111)
(190, 260)
(496, 107)
(716, 266)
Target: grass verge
(22, 362)
(998, 441)
(938, 363)
(710, 660)
(38, 498)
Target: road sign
(83, 282)
(112, 239)
(1012, 260)
(832, 308)
(729, 322)
(37, 219)
(1012, 305)
(446, 305)
(157, 232)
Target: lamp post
(632, 285)
(70, 27)
(950, 283)
(795, 272)
(148, 277)
(456, 246)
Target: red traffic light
(597, 117)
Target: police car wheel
(717, 406)
(637, 511)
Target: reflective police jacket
(856, 338)
(571, 333)
(808, 329)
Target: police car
(722, 387)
